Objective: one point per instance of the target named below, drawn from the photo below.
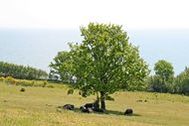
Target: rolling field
(37, 106)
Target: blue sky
(170, 45)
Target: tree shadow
(77, 110)
(113, 112)
(108, 112)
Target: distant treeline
(165, 81)
(21, 72)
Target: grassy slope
(37, 107)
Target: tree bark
(96, 103)
(102, 100)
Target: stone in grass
(128, 112)
(22, 90)
(67, 107)
(5, 101)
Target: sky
(71, 14)
(159, 27)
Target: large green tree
(105, 62)
(164, 75)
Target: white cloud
(134, 14)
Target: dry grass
(37, 106)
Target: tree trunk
(97, 96)
(102, 100)
(96, 103)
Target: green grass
(37, 106)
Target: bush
(50, 86)
(45, 84)
(2, 79)
(41, 84)
(70, 91)
(182, 82)
(25, 83)
(10, 80)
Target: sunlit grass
(37, 106)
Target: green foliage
(164, 70)
(182, 82)
(10, 80)
(105, 61)
(157, 84)
(70, 91)
(164, 76)
(61, 66)
(21, 72)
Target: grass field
(37, 106)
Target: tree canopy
(164, 77)
(104, 62)
(21, 72)
(182, 82)
(164, 69)
(61, 67)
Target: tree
(21, 72)
(164, 75)
(182, 82)
(105, 62)
(62, 66)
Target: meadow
(37, 106)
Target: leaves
(182, 82)
(104, 62)
(164, 77)
(21, 72)
(164, 69)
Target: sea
(38, 47)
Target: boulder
(22, 90)
(128, 112)
(67, 107)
